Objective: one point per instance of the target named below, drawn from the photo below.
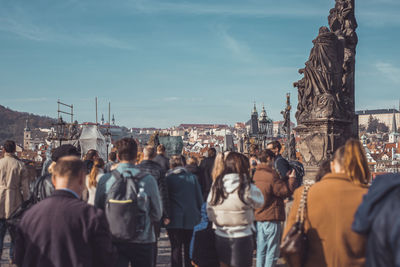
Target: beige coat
(331, 205)
(14, 184)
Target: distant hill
(12, 124)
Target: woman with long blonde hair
(330, 207)
(93, 177)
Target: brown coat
(275, 190)
(14, 184)
(331, 205)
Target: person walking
(378, 219)
(147, 165)
(271, 215)
(186, 200)
(330, 208)
(281, 165)
(93, 178)
(112, 161)
(63, 230)
(137, 250)
(161, 158)
(206, 167)
(192, 166)
(43, 186)
(14, 187)
(230, 206)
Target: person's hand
(166, 221)
(291, 174)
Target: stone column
(325, 112)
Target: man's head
(64, 150)
(69, 172)
(161, 149)
(112, 156)
(275, 147)
(9, 146)
(211, 152)
(266, 156)
(149, 153)
(175, 161)
(126, 150)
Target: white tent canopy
(91, 138)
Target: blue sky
(162, 63)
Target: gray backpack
(124, 214)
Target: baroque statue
(327, 89)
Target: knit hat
(65, 150)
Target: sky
(165, 62)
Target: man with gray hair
(153, 168)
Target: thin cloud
(170, 99)
(238, 48)
(389, 70)
(227, 9)
(30, 31)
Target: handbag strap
(303, 203)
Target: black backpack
(298, 167)
(42, 188)
(124, 213)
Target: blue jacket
(185, 199)
(154, 207)
(378, 218)
(201, 226)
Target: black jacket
(282, 166)
(163, 161)
(62, 230)
(155, 170)
(378, 218)
(205, 179)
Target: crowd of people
(217, 212)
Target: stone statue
(286, 116)
(322, 82)
(73, 132)
(325, 112)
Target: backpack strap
(136, 177)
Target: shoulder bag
(294, 245)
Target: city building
(382, 115)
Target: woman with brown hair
(230, 206)
(93, 177)
(185, 204)
(330, 208)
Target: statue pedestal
(319, 140)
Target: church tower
(394, 135)
(263, 123)
(254, 121)
(27, 136)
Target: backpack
(299, 169)
(125, 214)
(42, 188)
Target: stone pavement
(163, 260)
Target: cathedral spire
(26, 126)
(394, 125)
(255, 108)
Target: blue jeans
(268, 240)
